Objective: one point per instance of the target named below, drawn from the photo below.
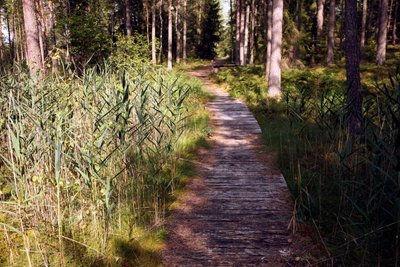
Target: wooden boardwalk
(236, 213)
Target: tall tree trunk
(253, 30)
(269, 39)
(184, 30)
(34, 61)
(382, 33)
(41, 30)
(320, 17)
(237, 38)
(363, 22)
(246, 34)
(274, 81)
(394, 28)
(354, 98)
(242, 31)
(170, 9)
(128, 18)
(153, 32)
(331, 32)
(178, 31)
(298, 26)
(161, 31)
(146, 7)
(1, 37)
(51, 23)
(11, 35)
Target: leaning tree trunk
(170, 8)
(153, 32)
(128, 19)
(274, 81)
(184, 53)
(178, 31)
(269, 38)
(354, 98)
(364, 22)
(33, 57)
(382, 33)
(331, 32)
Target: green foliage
(130, 51)
(85, 159)
(210, 30)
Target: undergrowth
(347, 189)
(89, 162)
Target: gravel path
(236, 213)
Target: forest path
(236, 213)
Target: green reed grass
(86, 159)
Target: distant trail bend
(236, 213)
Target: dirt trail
(237, 211)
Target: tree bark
(331, 32)
(170, 9)
(246, 34)
(184, 54)
(128, 19)
(237, 39)
(320, 17)
(161, 31)
(1, 37)
(153, 32)
(178, 31)
(274, 81)
(11, 35)
(242, 31)
(34, 61)
(394, 28)
(354, 98)
(382, 33)
(269, 39)
(253, 30)
(363, 22)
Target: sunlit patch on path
(237, 212)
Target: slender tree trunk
(146, 7)
(1, 37)
(246, 34)
(34, 61)
(320, 17)
(382, 33)
(363, 22)
(170, 9)
(354, 98)
(253, 30)
(128, 18)
(184, 30)
(11, 39)
(41, 30)
(178, 31)
(269, 39)
(153, 32)
(242, 32)
(274, 81)
(298, 26)
(331, 32)
(161, 31)
(394, 28)
(51, 23)
(237, 38)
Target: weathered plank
(237, 212)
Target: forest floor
(237, 210)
